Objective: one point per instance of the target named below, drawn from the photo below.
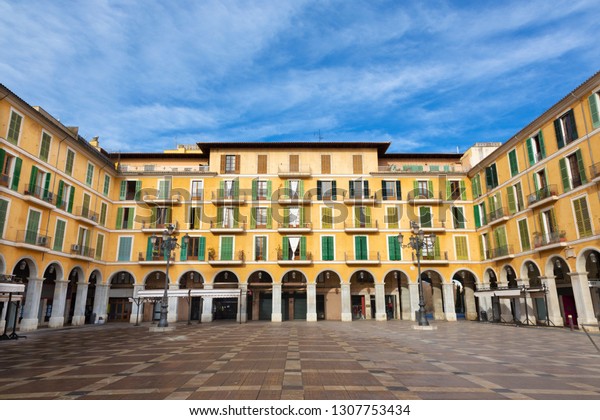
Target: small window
(14, 127)
(89, 176)
(106, 188)
(565, 129)
(69, 162)
(45, 146)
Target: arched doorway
(260, 296)
(397, 295)
(510, 305)
(592, 267)
(71, 295)
(362, 295)
(537, 291)
(47, 296)
(225, 308)
(121, 289)
(433, 294)
(492, 279)
(294, 303)
(192, 308)
(466, 305)
(329, 302)
(154, 281)
(566, 298)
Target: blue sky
(425, 75)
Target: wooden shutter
(269, 218)
(326, 221)
(303, 248)
(357, 166)
(294, 163)
(524, 234)
(463, 190)
(512, 159)
(398, 191)
(201, 248)
(138, 190)
(223, 163)
(71, 200)
(262, 164)
(580, 166)
(530, 155)
(319, 191)
(476, 216)
(16, 174)
(512, 208)
(582, 216)
(560, 140)
(325, 164)
(564, 174)
(237, 163)
(462, 252)
(32, 179)
(334, 190)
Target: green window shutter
(392, 217)
(530, 155)
(124, 249)
(436, 248)
(512, 159)
(71, 200)
(3, 216)
(368, 216)
(286, 217)
(2, 157)
(394, 249)
(580, 166)
(254, 189)
(138, 190)
(14, 128)
(460, 243)
(593, 102)
(123, 190)
(524, 235)
(351, 188)
(573, 126)
(460, 218)
(303, 248)
(564, 173)
(366, 190)
(483, 215)
(512, 208)
(221, 193)
(448, 190)
(425, 217)
(269, 218)
(384, 195)
(59, 235)
(119, 224)
(489, 179)
(269, 190)
(33, 224)
(201, 248)
(302, 221)
(130, 218)
(542, 146)
(253, 215)
(220, 216)
(463, 190)
(236, 217)
(519, 195)
(398, 190)
(184, 248)
(47, 185)
(560, 140)
(319, 191)
(149, 249)
(481, 249)
(285, 247)
(536, 184)
(325, 248)
(16, 174)
(476, 216)
(326, 222)
(582, 217)
(334, 190)
(430, 188)
(226, 248)
(236, 189)
(59, 195)
(32, 179)
(301, 189)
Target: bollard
(570, 318)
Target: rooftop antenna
(318, 135)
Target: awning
(12, 288)
(205, 293)
(510, 293)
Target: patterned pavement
(297, 360)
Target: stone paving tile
(298, 360)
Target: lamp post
(168, 244)
(418, 241)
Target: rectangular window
(357, 164)
(106, 188)
(425, 219)
(327, 218)
(195, 249)
(572, 171)
(65, 196)
(33, 225)
(85, 208)
(129, 190)
(326, 190)
(262, 190)
(164, 189)
(197, 190)
(536, 150)
(594, 103)
(195, 216)
(125, 218)
(359, 189)
(513, 162)
(392, 215)
(262, 164)
(361, 251)
(327, 248)
(550, 232)
(103, 212)
(294, 163)
(524, 235)
(124, 252)
(565, 129)
(476, 186)
(491, 177)
(582, 217)
(99, 246)
(226, 251)
(394, 248)
(515, 198)
(423, 189)
(325, 164)
(69, 161)
(261, 217)
(3, 216)
(59, 235)
(484, 246)
(89, 176)
(390, 190)
(455, 190)
(230, 163)
(462, 248)
(479, 214)
(458, 216)
(14, 127)
(260, 248)
(431, 248)
(362, 217)
(45, 146)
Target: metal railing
(213, 256)
(224, 194)
(392, 167)
(161, 225)
(548, 238)
(432, 224)
(305, 225)
(543, 193)
(39, 192)
(86, 213)
(227, 225)
(294, 257)
(162, 168)
(423, 194)
(83, 251)
(293, 169)
(499, 252)
(362, 256)
(432, 256)
(497, 214)
(370, 224)
(5, 181)
(33, 237)
(595, 170)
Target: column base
(276, 317)
(424, 327)
(78, 320)
(451, 317)
(311, 317)
(381, 317)
(347, 317)
(28, 324)
(206, 318)
(162, 329)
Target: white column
(135, 315)
(404, 302)
(57, 317)
(32, 305)
(553, 306)
(449, 305)
(207, 306)
(242, 316)
(485, 305)
(414, 300)
(311, 302)
(101, 302)
(3, 315)
(583, 299)
(380, 314)
(346, 302)
(173, 304)
(80, 299)
(276, 315)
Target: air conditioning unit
(94, 218)
(75, 248)
(42, 240)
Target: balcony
(497, 216)
(33, 240)
(84, 214)
(158, 227)
(418, 168)
(431, 226)
(294, 171)
(38, 195)
(162, 200)
(361, 227)
(294, 259)
(227, 228)
(432, 258)
(501, 253)
(82, 252)
(294, 228)
(362, 258)
(595, 173)
(221, 261)
(555, 239)
(294, 199)
(221, 197)
(162, 169)
(418, 197)
(156, 258)
(360, 197)
(543, 196)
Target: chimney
(95, 142)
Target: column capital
(61, 282)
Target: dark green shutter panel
(512, 157)
(303, 248)
(236, 189)
(2, 157)
(463, 190)
(476, 216)
(319, 192)
(301, 216)
(3, 215)
(149, 249)
(236, 217)
(184, 248)
(325, 248)
(580, 166)
(530, 155)
(286, 217)
(269, 218)
(511, 200)
(255, 189)
(119, 218)
(448, 190)
(61, 186)
(351, 188)
(436, 248)
(481, 250)
(201, 248)
(564, 173)
(221, 193)
(430, 189)
(489, 180)
(334, 190)
(398, 190)
(573, 126)
(366, 189)
(285, 245)
(47, 185)
(301, 189)
(123, 190)
(220, 216)
(594, 110)
(542, 146)
(32, 179)
(384, 195)
(71, 200)
(130, 218)
(483, 216)
(269, 190)
(536, 184)
(138, 190)
(368, 216)
(16, 174)
(253, 215)
(560, 141)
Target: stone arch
(155, 280)
(531, 271)
(328, 285)
(191, 279)
(119, 275)
(362, 294)
(466, 305)
(225, 277)
(397, 295)
(508, 276)
(551, 261)
(56, 265)
(581, 263)
(433, 294)
(122, 284)
(30, 265)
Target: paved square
(299, 360)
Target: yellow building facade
(305, 231)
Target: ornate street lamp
(417, 241)
(168, 244)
